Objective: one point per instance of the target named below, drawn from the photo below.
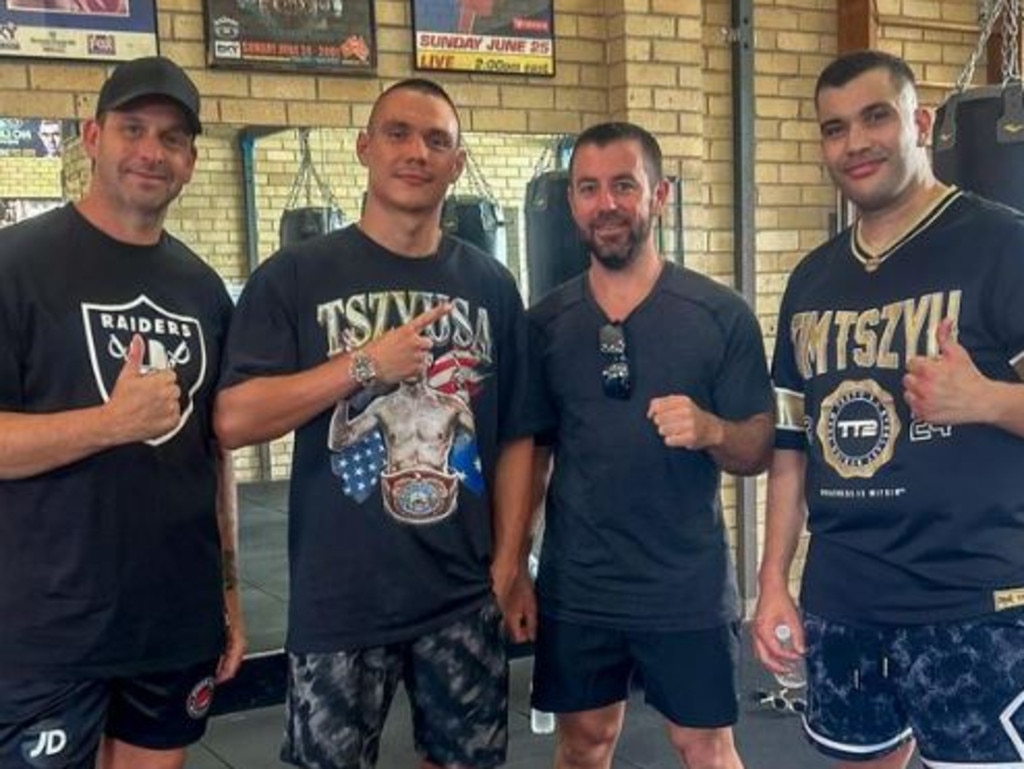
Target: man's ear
(362, 142)
(923, 122)
(459, 165)
(91, 136)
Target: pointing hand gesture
(403, 352)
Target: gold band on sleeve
(789, 407)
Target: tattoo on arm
(230, 570)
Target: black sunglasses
(615, 378)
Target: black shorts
(49, 724)
(690, 677)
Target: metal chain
(476, 179)
(994, 10)
(1011, 40)
(307, 176)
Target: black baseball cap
(150, 76)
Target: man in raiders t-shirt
(117, 531)
(898, 371)
(397, 355)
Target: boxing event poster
(89, 30)
(293, 35)
(511, 37)
(14, 210)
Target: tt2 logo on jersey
(172, 341)
(858, 427)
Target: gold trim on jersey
(789, 408)
(1010, 598)
(873, 258)
(1017, 362)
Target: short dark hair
(604, 134)
(850, 65)
(419, 85)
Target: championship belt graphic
(419, 495)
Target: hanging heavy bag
(554, 251)
(978, 142)
(299, 224)
(475, 219)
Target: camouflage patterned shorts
(456, 679)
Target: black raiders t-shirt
(109, 565)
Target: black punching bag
(299, 224)
(477, 220)
(554, 252)
(978, 142)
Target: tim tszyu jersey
(910, 521)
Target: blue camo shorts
(457, 681)
(957, 688)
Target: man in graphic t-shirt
(397, 355)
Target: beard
(616, 256)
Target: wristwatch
(362, 369)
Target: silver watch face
(362, 369)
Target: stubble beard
(618, 258)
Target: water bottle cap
(783, 633)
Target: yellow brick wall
(30, 177)
(662, 63)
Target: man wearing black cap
(117, 532)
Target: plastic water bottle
(795, 676)
(541, 722)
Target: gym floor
(249, 737)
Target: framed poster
(512, 37)
(39, 137)
(89, 30)
(293, 35)
(14, 210)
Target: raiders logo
(172, 342)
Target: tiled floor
(250, 739)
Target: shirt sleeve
(742, 386)
(263, 339)
(541, 411)
(1006, 308)
(790, 428)
(514, 372)
(11, 395)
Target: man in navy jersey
(901, 432)
(652, 382)
(117, 507)
(397, 354)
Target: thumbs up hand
(946, 389)
(144, 403)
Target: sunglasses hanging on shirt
(615, 376)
